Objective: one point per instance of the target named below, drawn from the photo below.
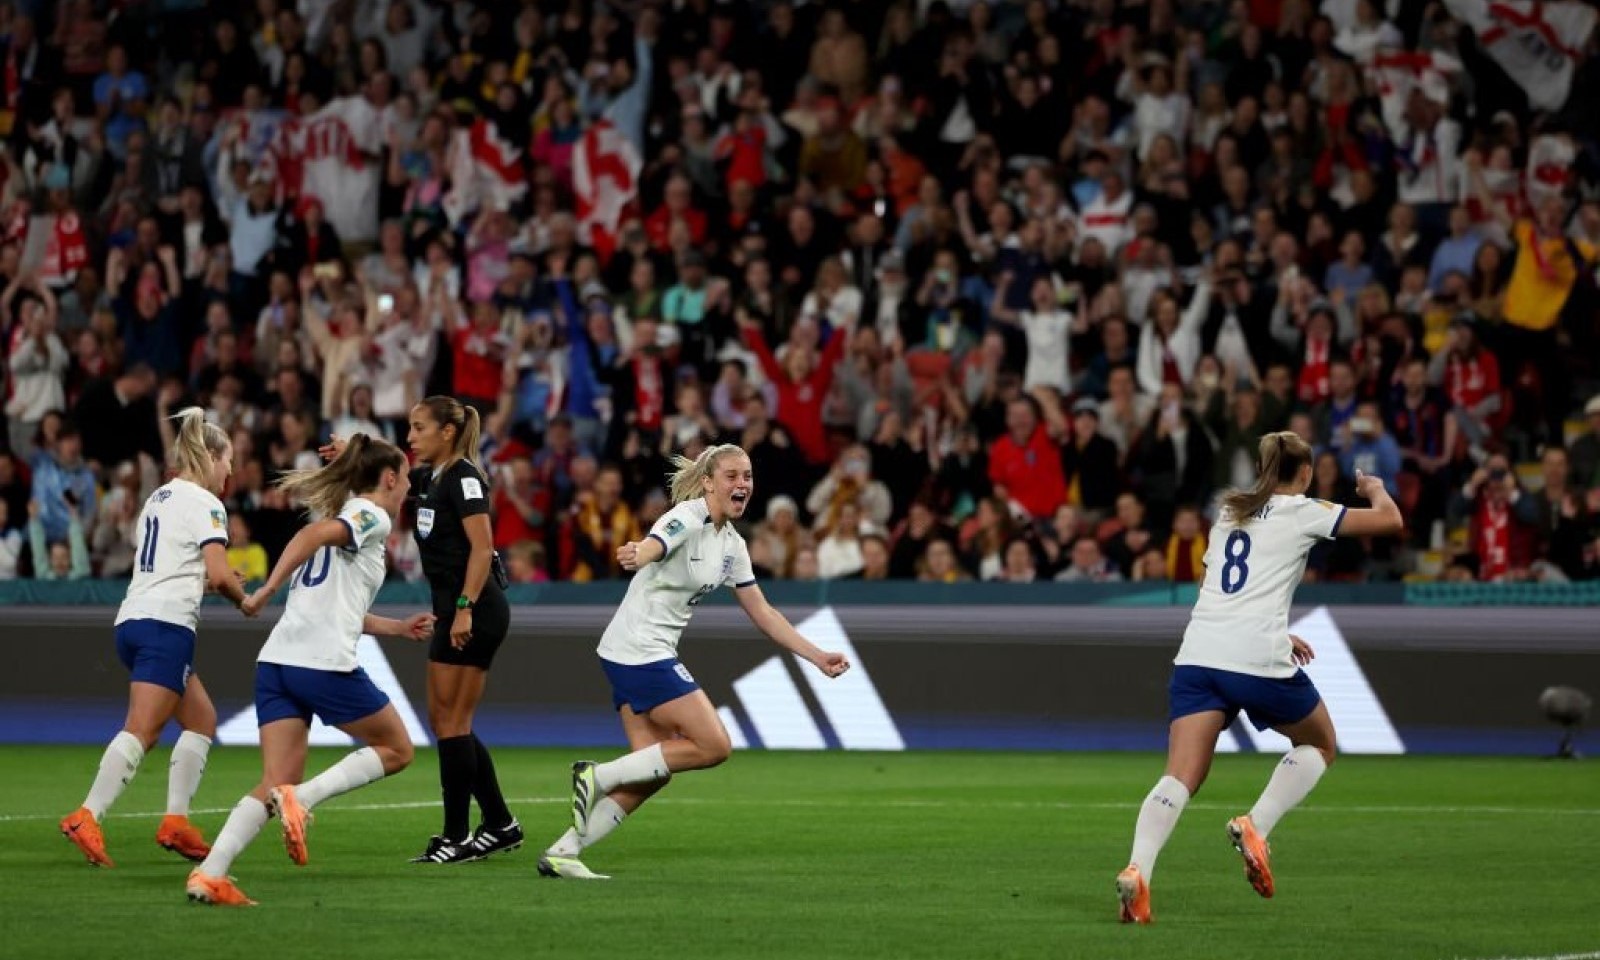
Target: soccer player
(1237, 654)
(456, 540)
(669, 721)
(308, 664)
(183, 551)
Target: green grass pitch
(960, 855)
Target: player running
(456, 540)
(1237, 654)
(183, 551)
(308, 664)
(670, 723)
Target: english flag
(1396, 73)
(329, 155)
(1540, 44)
(605, 178)
(485, 170)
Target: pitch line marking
(940, 805)
(1592, 955)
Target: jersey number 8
(1235, 571)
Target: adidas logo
(1362, 722)
(240, 729)
(779, 717)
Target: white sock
(117, 766)
(606, 816)
(246, 820)
(184, 771)
(641, 766)
(356, 770)
(1157, 817)
(1297, 773)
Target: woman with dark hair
(450, 492)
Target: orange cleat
(83, 830)
(1257, 855)
(182, 837)
(1135, 896)
(295, 819)
(217, 891)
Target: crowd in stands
(988, 289)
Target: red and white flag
(328, 156)
(485, 170)
(1395, 73)
(605, 178)
(1540, 44)
(1550, 159)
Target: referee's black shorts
(491, 620)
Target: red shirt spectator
(676, 206)
(1027, 463)
(802, 385)
(478, 350)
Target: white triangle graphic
(779, 714)
(241, 729)
(1358, 716)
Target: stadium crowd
(988, 290)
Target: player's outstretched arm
(778, 628)
(418, 626)
(310, 539)
(640, 553)
(1382, 519)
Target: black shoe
(486, 843)
(441, 850)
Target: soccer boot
(1252, 846)
(567, 868)
(182, 837)
(283, 804)
(486, 842)
(83, 830)
(585, 794)
(441, 850)
(1134, 895)
(217, 891)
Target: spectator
(1502, 535)
(64, 559)
(939, 564)
(1025, 463)
(1088, 565)
(874, 557)
(599, 524)
(839, 548)
(38, 360)
(246, 558)
(64, 491)
(1562, 518)
(1584, 456)
(1367, 448)
(11, 544)
(1186, 548)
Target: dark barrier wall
(1397, 678)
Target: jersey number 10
(310, 574)
(1235, 571)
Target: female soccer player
(183, 551)
(308, 664)
(1237, 654)
(456, 541)
(669, 721)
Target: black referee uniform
(442, 504)
(466, 771)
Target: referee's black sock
(458, 762)
(486, 788)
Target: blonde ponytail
(1282, 455)
(197, 446)
(357, 470)
(688, 477)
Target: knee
(715, 752)
(396, 756)
(147, 736)
(1329, 754)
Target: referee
(450, 494)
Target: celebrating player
(1237, 654)
(670, 723)
(183, 550)
(308, 664)
(456, 540)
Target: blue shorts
(1269, 702)
(646, 686)
(157, 652)
(283, 692)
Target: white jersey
(169, 567)
(699, 558)
(1241, 619)
(331, 594)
